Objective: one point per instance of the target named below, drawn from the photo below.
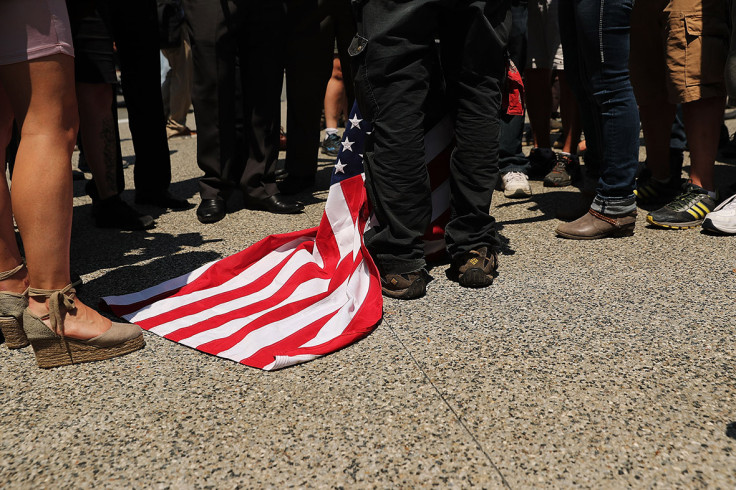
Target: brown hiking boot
(474, 269)
(410, 285)
(595, 225)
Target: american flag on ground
(293, 297)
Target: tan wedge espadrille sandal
(54, 350)
(11, 313)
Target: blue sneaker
(331, 145)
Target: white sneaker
(516, 184)
(723, 217)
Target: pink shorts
(31, 29)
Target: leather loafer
(595, 225)
(274, 204)
(211, 210)
(162, 200)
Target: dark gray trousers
(397, 59)
(225, 35)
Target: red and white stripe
(285, 300)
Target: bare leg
(571, 125)
(539, 103)
(335, 99)
(702, 120)
(42, 97)
(9, 253)
(98, 135)
(656, 122)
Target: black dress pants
(249, 32)
(135, 30)
(397, 57)
(313, 27)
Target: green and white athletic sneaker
(687, 210)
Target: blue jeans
(595, 43)
(510, 156)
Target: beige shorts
(678, 50)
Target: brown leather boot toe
(594, 225)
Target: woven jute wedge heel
(11, 313)
(54, 350)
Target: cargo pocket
(706, 48)
(363, 90)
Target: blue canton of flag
(349, 161)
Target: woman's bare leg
(570, 114)
(539, 104)
(41, 93)
(9, 253)
(335, 99)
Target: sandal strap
(58, 298)
(7, 274)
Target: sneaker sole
(475, 278)
(708, 225)
(562, 183)
(518, 193)
(675, 226)
(416, 290)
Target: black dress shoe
(280, 174)
(162, 200)
(274, 204)
(211, 210)
(294, 185)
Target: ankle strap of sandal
(7, 274)
(58, 298)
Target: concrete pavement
(588, 364)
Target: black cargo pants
(395, 56)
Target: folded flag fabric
(292, 297)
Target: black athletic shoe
(650, 191)
(541, 161)
(411, 285)
(331, 145)
(113, 212)
(686, 211)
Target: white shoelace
(515, 177)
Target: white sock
(329, 131)
(712, 194)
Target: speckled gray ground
(589, 364)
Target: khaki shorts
(678, 49)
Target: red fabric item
(513, 98)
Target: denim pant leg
(595, 40)
(510, 156)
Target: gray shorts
(543, 30)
